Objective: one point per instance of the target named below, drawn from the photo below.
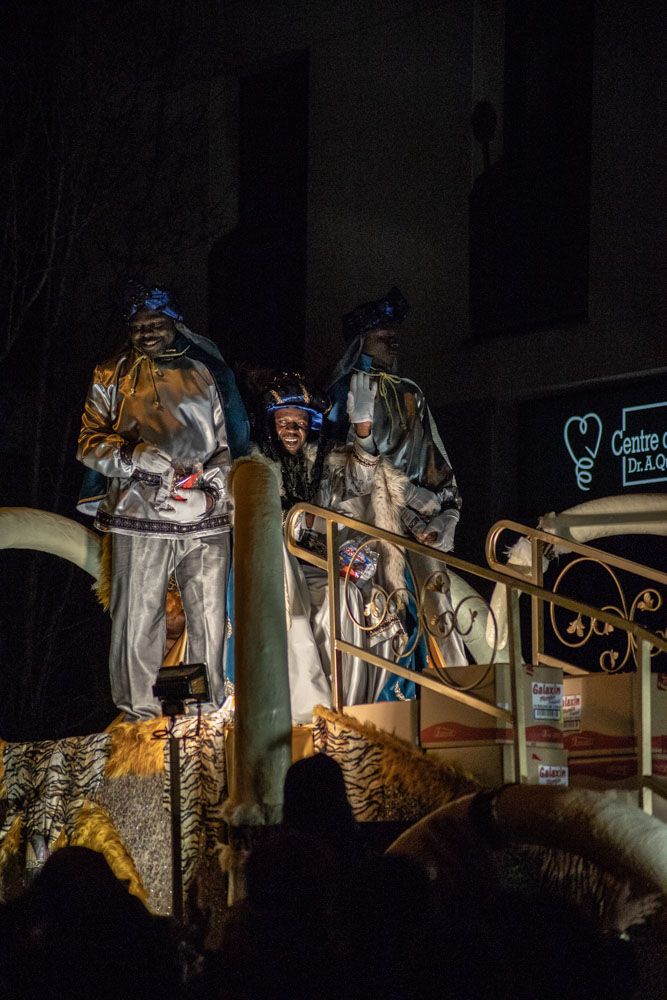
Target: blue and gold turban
(386, 312)
(159, 299)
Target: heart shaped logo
(582, 436)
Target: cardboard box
(659, 713)
(396, 717)
(445, 722)
(543, 700)
(493, 765)
(490, 765)
(547, 766)
(598, 714)
(658, 710)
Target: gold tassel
(387, 383)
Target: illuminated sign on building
(640, 443)
(592, 443)
(605, 440)
(582, 439)
(644, 452)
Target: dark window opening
(257, 273)
(530, 211)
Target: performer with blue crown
(162, 422)
(405, 434)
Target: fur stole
(386, 501)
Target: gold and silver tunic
(172, 402)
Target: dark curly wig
(301, 481)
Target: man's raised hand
(361, 398)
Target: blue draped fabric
(400, 688)
(229, 640)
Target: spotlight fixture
(176, 686)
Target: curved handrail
(515, 581)
(562, 545)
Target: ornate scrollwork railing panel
(608, 649)
(466, 615)
(384, 612)
(622, 587)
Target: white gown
(348, 473)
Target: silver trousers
(141, 567)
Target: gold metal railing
(513, 583)
(648, 599)
(544, 543)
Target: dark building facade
(499, 161)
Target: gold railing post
(516, 679)
(335, 655)
(645, 729)
(536, 603)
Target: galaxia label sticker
(572, 712)
(547, 700)
(552, 774)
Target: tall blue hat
(141, 296)
(388, 311)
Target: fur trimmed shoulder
(396, 481)
(386, 501)
(310, 452)
(336, 458)
(388, 496)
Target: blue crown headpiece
(291, 390)
(388, 311)
(158, 299)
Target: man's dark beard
(297, 483)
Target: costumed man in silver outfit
(309, 468)
(404, 433)
(162, 421)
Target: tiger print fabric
(386, 778)
(48, 782)
(603, 895)
(203, 775)
(49, 785)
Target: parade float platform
(110, 791)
